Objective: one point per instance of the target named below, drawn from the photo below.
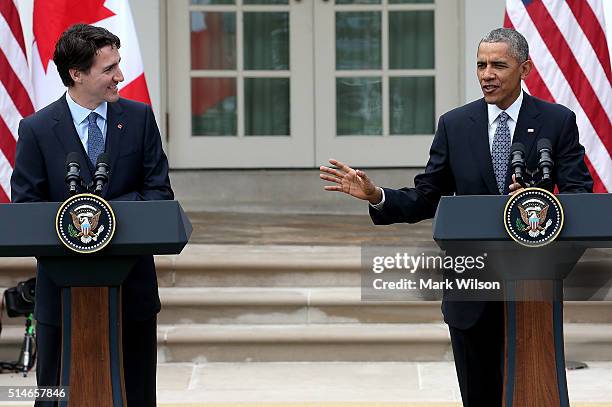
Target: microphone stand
(27, 357)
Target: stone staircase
(236, 303)
(302, 303)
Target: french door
(240, 83)
(291, 83)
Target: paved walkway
(323, 384)
(433, 382)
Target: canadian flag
(53, 17)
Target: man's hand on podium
(350, 181)
(515, 186)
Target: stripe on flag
(14, 87)
(15, 90)
(5, 178)
(590, 25)
(11, 16)
(560, 34)
(7, 143)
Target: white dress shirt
(81, 123)
(513, 113)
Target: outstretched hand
(350, 181)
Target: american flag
(15, 90)
(567, 43)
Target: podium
(534, 361)
(91, 360)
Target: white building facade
(289, 83)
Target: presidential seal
(533, 217)
(85, 223)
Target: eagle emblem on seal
(533, 215)
(86, 224)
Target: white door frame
(187, 151)
(385, 150)
(312, 93)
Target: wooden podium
(91, 360)
(534, 365)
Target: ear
(526, 68)
(75, 74)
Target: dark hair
(77, 47)
(517, 44)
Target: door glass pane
(213, 40)
(207, 2)
(265, 1)
(357, 1)
(213, 106)
(358, 40)
(412, 105)
(266, 41)
(411, 1)
(411, 39)
(358, 106)
(266, 106)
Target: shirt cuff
(380, 205)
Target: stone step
(280, 305)
(261, 266)
(236, 265)
(11, 340)
(252, 306)
(332, 342)
(310, 305)
(342, 342)
(266, 266)
(317, 305)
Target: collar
(80, 113)
(512, 111)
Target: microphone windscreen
(544, 144)
(103, 159)
(72, 158)
(518, 147)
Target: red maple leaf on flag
(53, 17)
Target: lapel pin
(120, 126)
(528, 130)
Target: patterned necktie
(95, 141)
(500, 153)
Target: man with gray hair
(470, 155)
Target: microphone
(517, 162)
(546, 162)
(73, 177)
(100, 178)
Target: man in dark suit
(91, 118)
(470, 156)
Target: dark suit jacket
(460, 163)
(139, 171)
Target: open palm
(350, 181)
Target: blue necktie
(500, 153)
(95, 141)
